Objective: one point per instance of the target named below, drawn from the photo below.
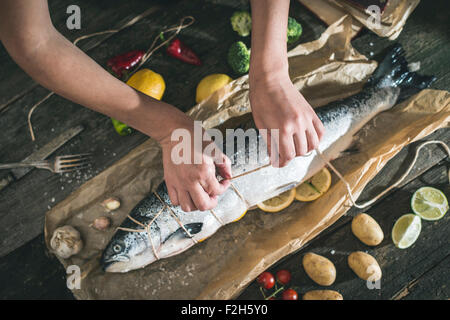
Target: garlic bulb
(66, 242)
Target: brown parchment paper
(221, 266)
(393, 17)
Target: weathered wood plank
(430, 285)
(31, 273)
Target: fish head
(127, 251)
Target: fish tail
(393, 71)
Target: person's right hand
(194, 186)
(277, 104)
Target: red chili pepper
(124, 62)
(180, 51)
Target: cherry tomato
(283, 277)
(290, 294)
(266, 280)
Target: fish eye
(117, 248)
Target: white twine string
(175, 217)
(373, 200)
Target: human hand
(277, 104)
(193, 184)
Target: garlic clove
(111, 204)
(101, 223)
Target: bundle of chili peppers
(120, 64)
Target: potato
(319, 269)
(365, 266)
(366, 229)
(322, 295)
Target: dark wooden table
(27, 271)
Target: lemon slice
(279, 202)
(406, 230)
(315, 187)
(429, 203)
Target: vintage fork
(61, 164)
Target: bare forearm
(30, 38)
(66, 70)
(276, 103)
(269, 49)
(69, 72)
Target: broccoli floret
(239, 57)
(241, 22)
(294, 30)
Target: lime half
(406, 230)
(429, 203)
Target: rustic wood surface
(26, 271)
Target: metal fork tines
(70, 163)
(61, 164)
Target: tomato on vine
(266, 280)
(283, 277)
(290, 294)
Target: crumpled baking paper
(393, 17)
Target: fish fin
(393, 72)
(192, 228)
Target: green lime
(406, 230)
(429, 203)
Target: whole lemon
(209, 84)
(148, 82)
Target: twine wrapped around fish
(184, 23)
(146, 228)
